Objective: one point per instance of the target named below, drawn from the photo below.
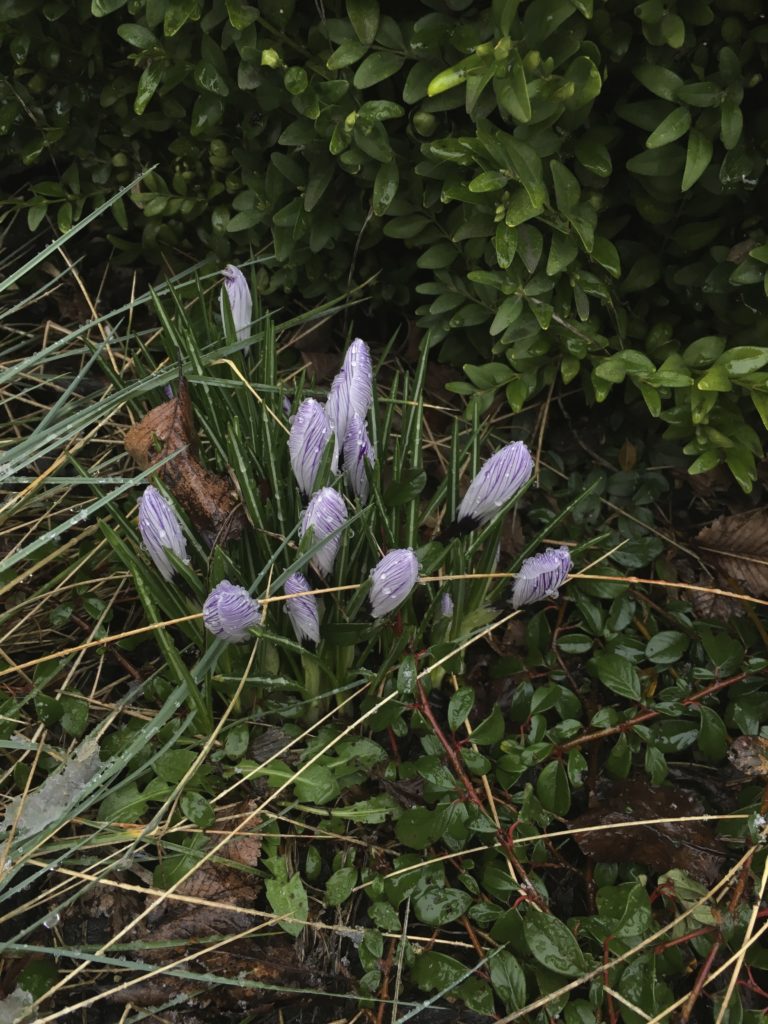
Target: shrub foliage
(560, 190)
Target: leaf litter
(209, 498)
(735, 549)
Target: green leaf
(240, 14)
(553, 790)
(317, 785)
(508, 980)
(385, 187)
(697, 158)
(349, 52)
(377, 67)
(289, 898)
(713, 738)
(743, 359)
(459, 707)
(553, 945)
(731, 124)
(199, 811)
(617, 674)
(567, 188)
(660, 81)
(364, 16)
(512, 91)
(666, 648)
(526, 165)
(490, 730)
(671, 128)
(151, 77)
(339, 886)
(137, 35)
(435, 906)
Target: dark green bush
(570, 187)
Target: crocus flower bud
(446, 605)
(161, 532)
(310, 432)
(392, 580)
(240, 302)
(357, 451)
(229, 612)
(351, 391)
(302, 611)
(541, 576)
(499, 479)
(325, 514)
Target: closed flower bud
(310, 432)
(499, 479)
(229, 612)
(358, 451)
(446, 606)
(236, 290)
(161, 532)
(392, 580)
(541, 576)
(302, 611)
(325, 514)
(351, 391)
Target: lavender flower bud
(500, 478)
(161, 532)
(541, 576)
(351, 391)
(446, 605)
(357, 451)
(392, 580)
(229, 612)
(302, 611)
(240, 302)
(310, 432)
(325, 514)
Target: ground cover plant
(477, 788)
(565, 190)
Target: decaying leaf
(689, 845)
(210, 499)
(735, 547)
(749, 754)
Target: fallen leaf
(749, 754)
(209, 499)
(735, 547)
(689, 845)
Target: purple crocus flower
(357, 451)
(499, 479)
(325, 514)
(161, 532)
(302, 611)
(351, 391)
(392, 580)
(229, 612)
(310, 432)
(541, 576)
(238, 293)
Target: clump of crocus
(324, 515)
(351, 392)
(302, 610)
(229, 612)
(310, 432)
(236, 290)
(392, 580)
(358, 451)
(161, 531)
(541, 576)
(499, 479)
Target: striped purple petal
(499, 479)
(358, 451)
(351, 391)
(310, 433)
(325, 514)
(541, 576)
(229, 612)
(302, 610)
(392, 580)
(236, 292)
(161, 531)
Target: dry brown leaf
(749, 754)
(737, 548)
(209, 499)
(691, 846)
